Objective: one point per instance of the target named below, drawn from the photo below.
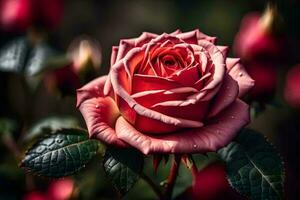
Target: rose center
(169, 61)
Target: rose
(84, 57)
(169, 93)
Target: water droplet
(97, 106)
(232, 117)
(195, 146)
(59, 141)
(240, 74)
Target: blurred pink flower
(211, 184)
(57, 190)
(19, 15)
(258, 37)
(61, 189)
(265, 76)
(15, 15)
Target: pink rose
(168, 93)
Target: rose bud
(86, 56)
(265, 76)
(259, 36)
(15, 15)
(211, 184)
(292, 87)
(85, 59)
(168, 93)
(61, 189)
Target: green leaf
(123, 166)
(7, 126)
(13, 55)
(20, 56)
(254, 167)
(49, 125)
(38, 57)
(60, 154)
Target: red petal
(193, 37)
(212, 136)
(239, 74)
(228, 93)
(90, 90)
(100, 115)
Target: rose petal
(100, 115)
(194, 36)
(114, 53)
(147, 82)
(155, 100)
(239, 73)
(211, 137)
(176, 108)
(90, 90)
(150, 97)
(176, 32)
(224, 50)
(126, 45)
(228, 93)
(187, 76)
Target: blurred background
(48, 48)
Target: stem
(172, 177)
(154, 186)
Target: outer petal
(127, 44)
(100, 115)
(211, 137)
(194, 36)
(228, 93)
(239, 73)
(224, 50)
(91, 90)
(114, 53)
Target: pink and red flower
(168, 93)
